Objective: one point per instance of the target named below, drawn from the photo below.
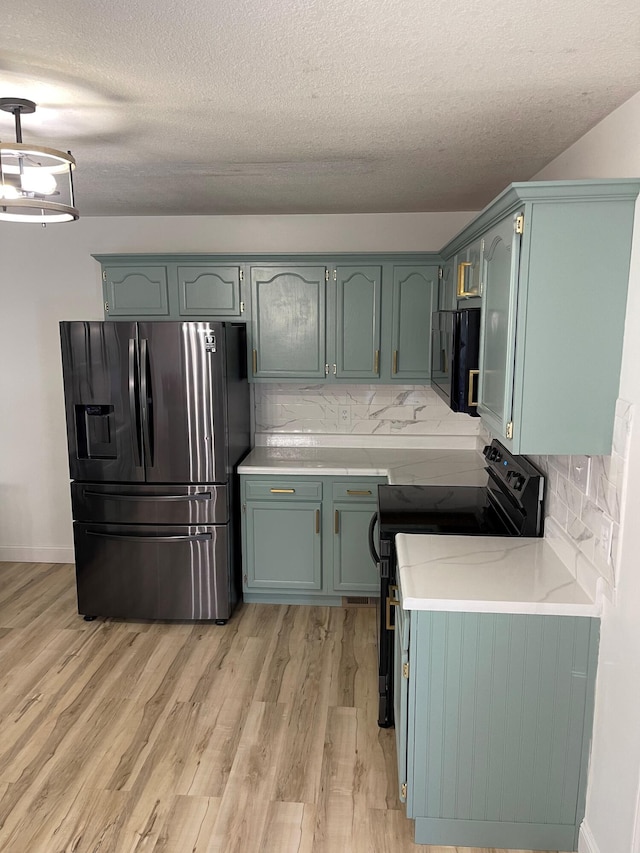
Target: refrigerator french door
(157, 419)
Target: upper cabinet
(135, 290)
(354, 351)
(343, 322)
(171, 287)
(415, 298)
(337, 319)
(316, 322)
(288, 321)
(553, 278)
(209, 290)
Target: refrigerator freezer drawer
(136, 572)
(118, 503)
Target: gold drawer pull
(336, 522)
(470, 400)
(317, 521)
(359, 492)
(282, 491)
(395, 361)
(391, 602)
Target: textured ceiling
(312, 106)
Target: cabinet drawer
(360, 490)
(285, 489)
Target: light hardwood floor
(259, 736)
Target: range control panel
(514, 472)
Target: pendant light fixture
(36, 183)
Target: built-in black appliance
(511, 504)
(455, 346)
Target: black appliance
(511, 504)
(455, 347)
(157, 420)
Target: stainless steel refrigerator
(157, 421)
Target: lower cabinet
(493, 725)
(306, 539)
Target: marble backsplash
(583, 500)
(367, 410)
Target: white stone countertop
(487, 574)
(400, 466)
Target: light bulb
(8, 192)
(38, 180)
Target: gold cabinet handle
(392, 602)
(461, 277)
(255, 361)
(376, 362)
(317, 521)
(395, 361)
(336, 522)
(359, 492)
(470, 400)
(282, 491)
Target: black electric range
(511, 504)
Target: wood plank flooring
(124, 737)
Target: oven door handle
(372, 542)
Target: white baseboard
(17, 554)
(586, 841)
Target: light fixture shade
(36, 183)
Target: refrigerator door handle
(201, 496)
(134, 411)
(196, 537)
(147, 404)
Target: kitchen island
(495, 661)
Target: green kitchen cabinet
(494, 713)
(354, 323)
(207, 290)
(317, 322)
(501, 262)
(305, 540)
(135, 291)
(354, 572)
(555, 272)
(288, 321)
(172, 287)
(283, 535)
(415, 298)
(447, 298)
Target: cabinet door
(353, 568)
(205, 291)
(135, 291)
(415, 291)
(283, 546)
(356, 332)
(497, 333)
(447, 286)
(288, 321)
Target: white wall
(611, 149)
(47, 275)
